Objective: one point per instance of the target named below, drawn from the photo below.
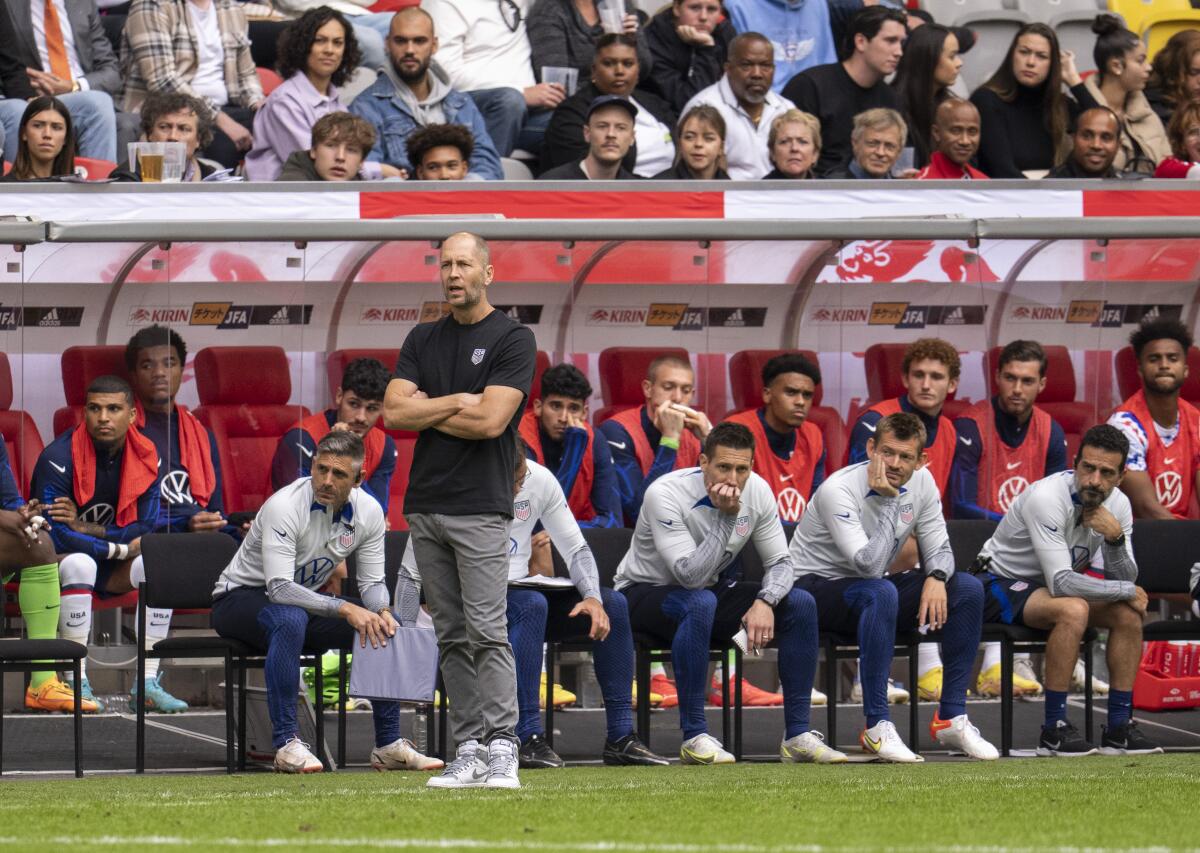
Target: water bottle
(421, 729)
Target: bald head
(411, 44)
(1096, 141)
(955, 131)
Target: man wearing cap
(609, 134)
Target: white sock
(928, 657)
(77, 574)
(657, 669)
(543, 659)
(158, 623)
(75, 621)
(991, 655)
(857, 669)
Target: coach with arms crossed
(462, 382)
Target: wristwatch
(1118, 543)
(937, 575)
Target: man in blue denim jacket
(410, 94)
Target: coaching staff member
(462, 382)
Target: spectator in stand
(440, 152)
(841, 12)
(199, 47)
(318, 52)
(798, 30)
(955, 138)
(615, 71)
(688, 41)
(1096, 141)
(1119, 83)
(1024, 115)
(412, 92)
(1184, 133)
(175, 117)
(1175, 75)
(876, 140)
(609, 134)
(746, 101)
(927, 70)
(838, 92)
(63, 54)
(564, 34)
(701, 143)
(46, 142)
(795, 146)
(484, 50)
(340, 142)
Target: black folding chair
(1165, 554)
(181, 571)
(38, 655)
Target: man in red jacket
(955, 136)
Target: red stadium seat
(80, 365)
(745, 381)
(248, 412)
(1058, 399)
(95, 169)
(540, 366)
(269, 80)
(1129, 383)
(21, 437)
(622, 370)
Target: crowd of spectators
(833, 89)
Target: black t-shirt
(830, 94)
(460, 476)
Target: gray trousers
(463, 561)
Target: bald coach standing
(462, 382)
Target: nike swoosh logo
(1012, 465)
(969, 441)
(62, 469)
(76, 624)
(1051, 529)
(665, 524)
(783, 478)
(1168, 461)
(619, 446)
(477, 776)
(305, 450)
(870, 427)
(872, 745)
(159, 624)
(842, 515)
(280, 533)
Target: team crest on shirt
(346, 540)
(743, 525)
(478, 355)
(521, 511)
(906, 513)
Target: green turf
(1065, 803)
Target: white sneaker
(295, 757)
(959, 734)
(809, 748)
(883, 740)
(1023, 668)
(402, 755)
(819, 698)
(502, 764)
(1099, 685)
(704, 749)
(359, 704)
(896, 695)
(469, 768)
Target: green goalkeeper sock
(38, 599)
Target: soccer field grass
(749, 808)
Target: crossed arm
(471, 416)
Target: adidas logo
(955, 316)
(736, 316)
(281, 317)
(50, 319)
